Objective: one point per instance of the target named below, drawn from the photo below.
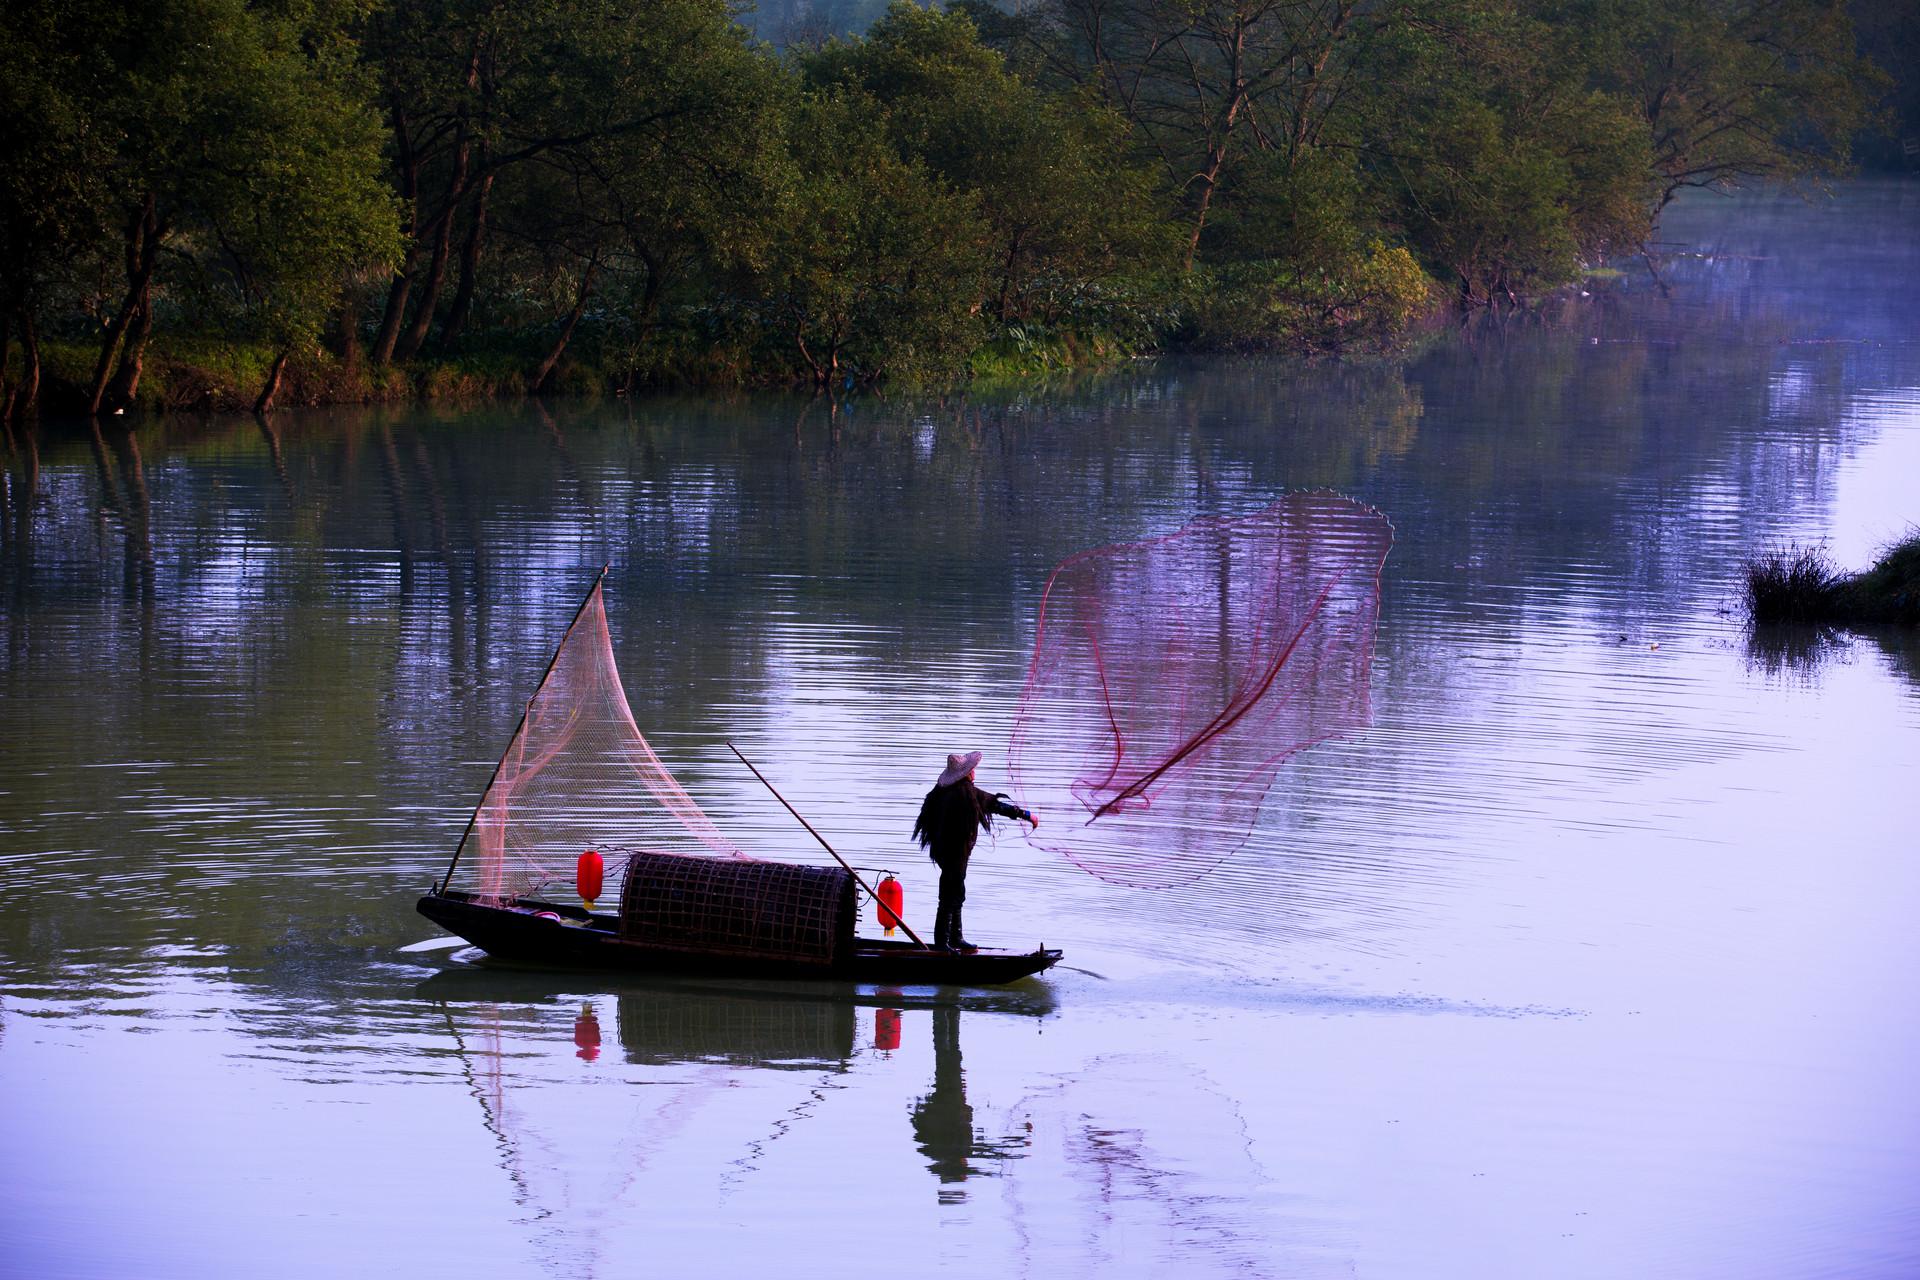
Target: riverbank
(1383, 303)
(1802, 584)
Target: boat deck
(529, 930)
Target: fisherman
(951, 819)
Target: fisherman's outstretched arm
(999, 804)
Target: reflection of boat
(488, 983)
(613, 1100)
(577, 772)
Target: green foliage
(302, 203)
(1506, 175)
(1736, 91)
(53, 155)
(1067, 213)
(462, 195)
(1363, 298)
(1021, 351)
(874, 264)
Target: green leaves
(875, 264)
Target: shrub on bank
(1802, 584)
(1366, 300)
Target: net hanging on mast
(1172, 678)
(579, 775)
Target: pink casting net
(1172, 678)
(578, 775)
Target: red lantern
(886, 1029)
(589, 876)
(891, 898)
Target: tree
(304, 204)
(1493, 157)
(1066, 210)
(53, 155)
(1201, 82)
(673, 197)
(1735, 91)
(240, 150)
(873, 265)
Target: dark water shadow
(1801, 652)
(1793, 650)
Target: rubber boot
(956, 939)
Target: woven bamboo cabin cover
(729, 906)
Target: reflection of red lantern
(586, 1035)
(886, 1029)
(891, 898)
(589, 876)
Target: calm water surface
(1592, 956)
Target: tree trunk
(545, 371)
(26, 400)
(141, 250)
(109, 348)
(133, 347)
(267, 393)
(402, 285)
(462, 308)
(800, 340)
(345, 335)
(397, 294)
(1219, 138)
(6, 346)
(133, 354)
(416, 334)
(1200, 209)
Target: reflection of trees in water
(20, 493)
(1901, 648)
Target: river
(1590, 956)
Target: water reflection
(1794, 651)
(529, 1042)
(614, 1101)
(943, 1124)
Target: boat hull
(578, 940)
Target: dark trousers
(953, 892)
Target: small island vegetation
(1804, 585)
(215, 203)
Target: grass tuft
(1793, 584)
(1802, 584)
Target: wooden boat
(529, 930)
(714, 911)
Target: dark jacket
(952, 817)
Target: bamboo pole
(824, 845)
